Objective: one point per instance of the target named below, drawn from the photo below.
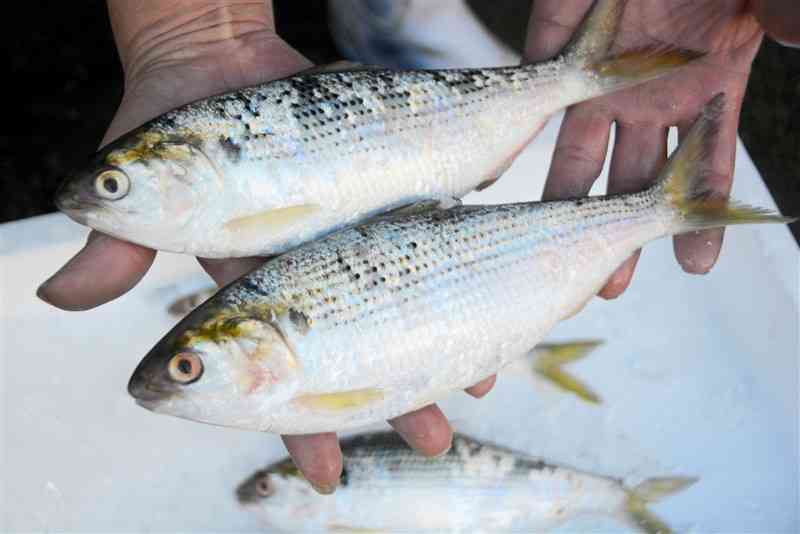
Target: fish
(261, 170)
(475, 487)
(384, 318)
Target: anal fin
(343, 400)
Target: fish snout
(148, 388)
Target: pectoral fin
(274, 219)
(550, 358)
(340, 401)
(421, 206)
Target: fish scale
(414, 258)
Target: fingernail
(324, 489)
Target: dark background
(65, 66)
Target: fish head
(144, 187)
(221, 365)
(283, 496)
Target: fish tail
(590, 50)
(650, 491)
(552, 356)
(685, 186)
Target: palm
(730, 35)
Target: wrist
(153, 34)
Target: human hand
(727, 30)
(174, 54)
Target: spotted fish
(384, 318)
(475, 487)
(260, 170)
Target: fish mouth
(147, 393)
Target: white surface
(699, 376)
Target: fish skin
(413, 307)
(475, 487)
(416, 307)
(354, 142)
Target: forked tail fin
(685, 186)
(590, 50)
(550, 357)
(650, 491)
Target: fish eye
(112, 184)
(263, 487)
(185, 367)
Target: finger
(579, 154)
(319, 458)
(104, 269)
(482, 388)
(780, 18)
(551, 26)
(226, 271)
(640, 152)
(697, 252)
(426, 430)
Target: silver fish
(384, 318)
(475, 487)
(260, 170)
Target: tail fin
(684, 184)
(590, 49)
(550, 358)
(650, 491)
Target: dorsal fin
(341, 66)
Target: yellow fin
(550, 358)
(340, 401)
(649, 491)
(683, 182)
(272, 219)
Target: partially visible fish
(382, 319)
(184, 305)
(475, 487)
(549, 358)
(260, 170)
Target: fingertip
(318, 457)
(697, 252)
(104, 269)
(426, 430)
(621, 279)
(482, 388)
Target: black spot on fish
(231, 149)
(249, 286)
(299, 320)
(528, 464)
